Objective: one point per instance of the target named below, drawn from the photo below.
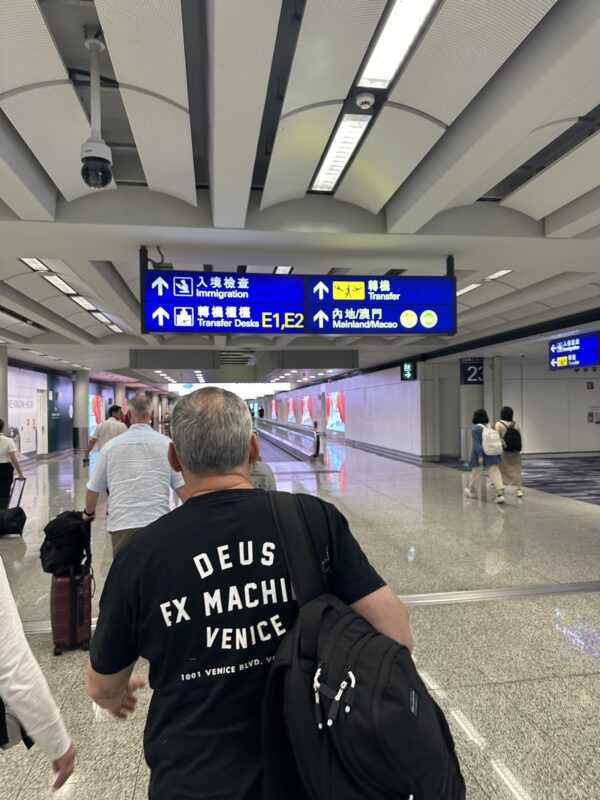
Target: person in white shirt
(24, 690)
(8, 465)
(106, 430)
(134, 468)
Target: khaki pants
(495, 477)
(120, 537)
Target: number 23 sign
(471, 371)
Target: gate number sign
(229, 303)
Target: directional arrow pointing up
(161, 314)
(320, 288)
(161, 283)
(321, 317)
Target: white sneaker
(519, 492)
(500, 499)
(470, 492)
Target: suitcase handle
(12, 491)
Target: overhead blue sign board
(226, 303)
(574, 351)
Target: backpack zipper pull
(318, 707)
(350, 696)
(335, 705)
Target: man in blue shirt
(134, 467)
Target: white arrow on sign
(320, 317)
(161, 314)
(553, 362)
(320, 288)
(553, 348)
(161, 283)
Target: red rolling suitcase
(71, 610)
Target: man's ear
(254, 449)
(174, 458)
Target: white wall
(381, 409)
(553, 407)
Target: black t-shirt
(204, 594)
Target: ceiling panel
(145, 43)
(54, 125)
(571, 176)
(333, 41)
(301, 140)
(574, 296)
(164, 141)
(394, 146)
(241, 43)
(527, 310)
(467, 43)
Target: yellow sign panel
(562, 361)
(348, 290)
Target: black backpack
(346, 715)
(512, 439)
(67, 542)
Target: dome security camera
(365, 100)
(96, 159)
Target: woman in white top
(8, 465)
(510, 466)
(24, 690)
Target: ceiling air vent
(245, 358)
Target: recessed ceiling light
(320, 373)
(115, 328)
(64, 361)
(468, 288)
(345, 141)
(58, 282)
(500, 274)
(401, 28)
(283, 270)
(37, 353)
(294, 370)
(54, 358)
(330, 370)
(101, 317)
(312, 376)
(76, 365)
(81, 301)
(158, 372)
(35, 264)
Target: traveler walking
(8, 465)
(205, 595)
(25, 698)
(105, 431)
(486, 452)
(512, 442)
(134, 468)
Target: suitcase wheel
(58, 651)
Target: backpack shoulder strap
(298, 549)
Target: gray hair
(211, 430)
(141, 406)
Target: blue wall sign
(574, 351)
(226, 303)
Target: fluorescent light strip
(468, 288)
(500, 274)
(81, 301)
(35, 264)
(101, 317)
(283, 270)
(345, 141)
(400, 31)
(58, 282)
(115, 328)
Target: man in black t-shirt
(204, 594)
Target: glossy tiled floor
(519, 678)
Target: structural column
(164, 402)
(119, 394)
(155, 415)
(80, 412)
(4, 384)
(471, 398)
(496, 388)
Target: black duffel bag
(66, 544)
